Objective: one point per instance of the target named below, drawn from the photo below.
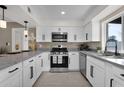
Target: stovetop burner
(59, 51)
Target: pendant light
(26, 29)
(2, 21)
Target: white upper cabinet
(44, 34)
(75, 34)
(91, 32)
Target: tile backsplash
(69, 45)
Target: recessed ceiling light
(63, 12)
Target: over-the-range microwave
(59, 36)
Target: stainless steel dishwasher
(83, 60)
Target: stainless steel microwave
(59, 36)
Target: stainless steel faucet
(106, 50)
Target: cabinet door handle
(13, 70)
(48, 56)
(122, 75)
(31, 70)
(41, 62)
(43, 37)
(111, 82)
(31, 60)
(86, 36)
(91, 71)
(75, 37)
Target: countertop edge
(95, 55)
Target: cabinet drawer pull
(13, 70)
(122, 75)
(39, 56)
(31, 60)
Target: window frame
(104, 32)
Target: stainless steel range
(59, 59)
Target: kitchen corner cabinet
(91, 32)
(11, 76)
(95, 72)
(74, 61)
(29, 72)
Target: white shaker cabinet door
(39, 65)
(13, 81)
(74, 61)
(11, 76)
(46, 61)
(99, 77)
(29, 72)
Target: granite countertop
(7, 60)
(116, 61)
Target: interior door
(18, 41)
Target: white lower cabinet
(29, 72)
(100, 73)
(74, 61)
(118, 80)
(89, 72)
(95, 72)
(12, 76)
(39, 65)
(99, 76)
(108, 75)
(46, 61)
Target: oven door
(59, 61)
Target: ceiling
(51, 14)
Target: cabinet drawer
(8, 72)
(96, 61)
(39, 56)
(74, 53)
(118, 71)
(29, 61)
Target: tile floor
(67, 79)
